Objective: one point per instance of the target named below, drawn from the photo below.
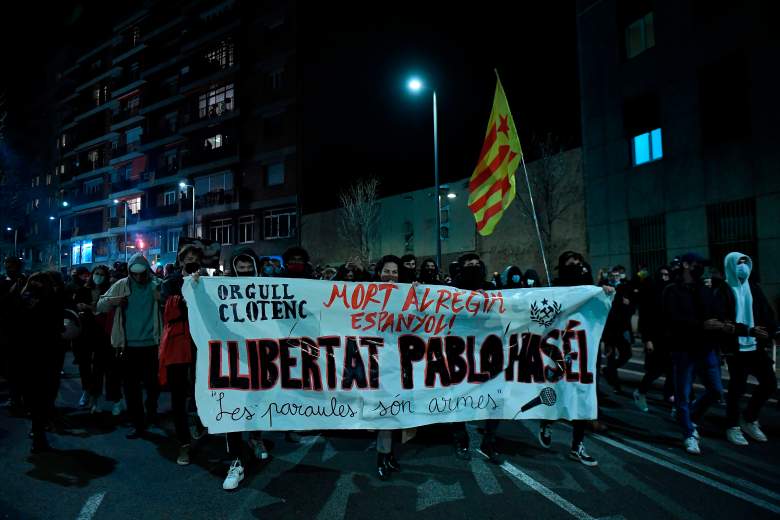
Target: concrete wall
(513, 241)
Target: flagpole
(533, 208)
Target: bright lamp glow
(8, 229)
(64, 203)
(451, 195)
(51, 218)
(182, 185)
(116, 201)
(415, 85)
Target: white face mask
(98, 279)
(530, 283)
(743, 271)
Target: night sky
(358, 118)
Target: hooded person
(135, 334)
(511, 278)
(296, 263)
(573, 270)
(531, 279)
(245, 262)
(748, 326)
(407, 271)
(691, 329)
(429, 272)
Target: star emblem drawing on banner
(503, 127)
(544, 302)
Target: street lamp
(415, 85)
(64, 204)
(183, 185)
(16, 234)
(117, 201)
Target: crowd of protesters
(128, 330)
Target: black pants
(235, 446)
(461, 436)
(179, 384)
(658, 363)
(113, 375)
(619, 356)
(39, 391)
(141, 365)
(741, 365)
(94, 355)
(577, 433)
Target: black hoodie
(245, 253)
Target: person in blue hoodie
(136, 336)
(747, 325)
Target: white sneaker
(692, 446)
(258, 448)
(235, 476)
(640, 401)
(582, 456)
(696, 431)
(84, 401)
(117, 408)
(734, 435)
(95, 404)
(753, 429)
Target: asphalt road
(643, 472)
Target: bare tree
(358, 217)
(555, 186)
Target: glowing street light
(183, 185)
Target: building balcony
(215, 198)
(159, 212)
(201, 157)
(87, 166)
(128, 184)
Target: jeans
(759, 364)
(686, 365)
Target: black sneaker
(581, 455)
(489, 449)
(545, 436)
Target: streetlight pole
(117, 201)
(415, 85)
(183, 185)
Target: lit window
(222, 54)
(640, 36)
(246, 229)
(94, 186)
(216, 102)
(647, 147)
(134, 205)
(213, 142)
(93, 157)
(275, 174)
(170, 198)
(48, 180)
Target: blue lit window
(647, 147)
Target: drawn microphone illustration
(546, 397)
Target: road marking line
(543, 490)
(695, 476)
(91, 506)
(755, 488)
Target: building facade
(679, 132)
(183, 123)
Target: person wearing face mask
(429, 272)
(92, 345)
(388, 269)
(658, 361)
(296, 263)
(748, 324)
(471, 276)
(41, 317)
(135, 333)
(531, 279)
(511, 278)
(408, 269)
(689, 314)
(11, 284)
(266, 267)
(617, 331)
(573, 270)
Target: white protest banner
(285, 354)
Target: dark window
(731, 226)
(724, 108)
(648, 242)
(273, 126)
(641, 114)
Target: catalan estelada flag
(492, 185)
